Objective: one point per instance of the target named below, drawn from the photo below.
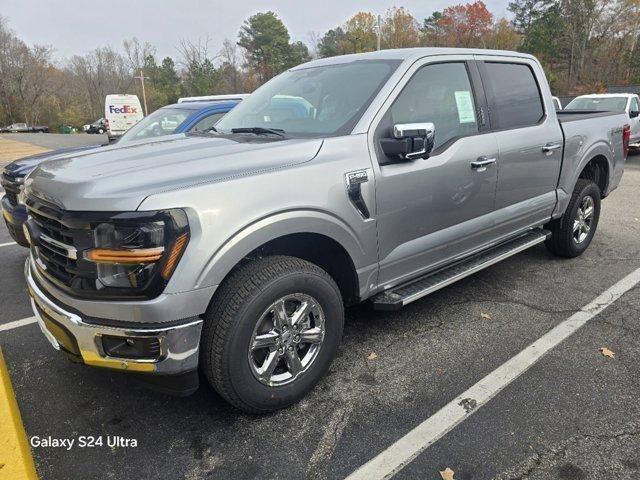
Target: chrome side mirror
(420, 135)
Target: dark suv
(99, 126)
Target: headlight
(138, 254)
(112, 255)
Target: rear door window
(514, 95)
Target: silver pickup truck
(381, 177)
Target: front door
(432, 211)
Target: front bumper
(14, 216)
(83, 341)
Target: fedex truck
(121, 113)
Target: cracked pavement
(572, 416)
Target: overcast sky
(76, 27)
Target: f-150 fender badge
(354, 180)
(357, 177)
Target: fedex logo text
(122, 109)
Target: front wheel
(572, 233)
(271, 333)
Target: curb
(16, 462)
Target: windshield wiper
(259, 131)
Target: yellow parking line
(11, 150)
(16, 462)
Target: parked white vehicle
(121, 112)
(628, 103)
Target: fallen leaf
(607, 353)
(372, 356)
(486, 316)
(447, 474)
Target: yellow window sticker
(466, 113)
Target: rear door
(430, 212)
(529, 137)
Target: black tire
(562, 241)
(233, 314)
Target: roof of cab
(409, 54)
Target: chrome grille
(52, 227)
(54, 246)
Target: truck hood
(22, 166)
(120, 177)
(19, 168)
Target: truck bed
(565, 116)
(588, 133)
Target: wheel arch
(314, 236)
(596, 164)
(597, 169)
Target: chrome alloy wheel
(286, 339)
(584, 219)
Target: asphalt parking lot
(573, 415)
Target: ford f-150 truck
(385, 177)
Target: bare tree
(25, 84)
(194, 53)
(137, 53)
(314, 40)
(101, 72)
(230, 74)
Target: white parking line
(7, 244)
(402, 452)
(17, 323)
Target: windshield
(607, 104)
(316, 101)
(161, 122)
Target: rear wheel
(572, 233)
(271, 333)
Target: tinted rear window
(517, 101)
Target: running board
(397, 297)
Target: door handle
(550, 147)
(481, 164)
